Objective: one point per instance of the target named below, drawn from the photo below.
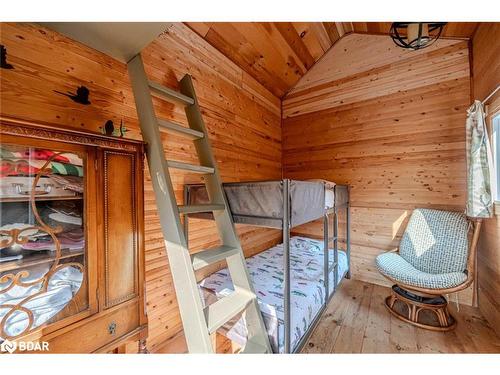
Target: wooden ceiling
(278, 54)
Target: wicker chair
(436, 256)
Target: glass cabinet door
(42, 238)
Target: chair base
(423, 311)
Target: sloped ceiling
(278, 54)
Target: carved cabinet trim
(115, 314)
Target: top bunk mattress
(261, 202)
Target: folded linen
(37, 154)
(11, 167)
(73, 183)
(63, 218)
(48, 244)
(32, 232)
(16, 168)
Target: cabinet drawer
(98, 332)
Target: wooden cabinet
(71, 240)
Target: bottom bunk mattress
(266, 272)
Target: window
(496, 153)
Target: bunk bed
(279, 274)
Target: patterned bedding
(266, 271)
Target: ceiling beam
(120, 40)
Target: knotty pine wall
(389, 123)
(486, 76)
(242, 117)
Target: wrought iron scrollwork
(21, 278)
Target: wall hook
(109, 129)
(81, 96)
(123, 129)
(3, 58)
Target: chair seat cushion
(394, 266)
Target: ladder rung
(222, 311)
(252, 347)
(179, 129)
(210, 256)
(169, 94)
(190, 167)
(198, 208)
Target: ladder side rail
(185, 217)
(224, 221)
(189, 299)
(213, 182)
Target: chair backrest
(436, 241)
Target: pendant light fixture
(416, 35)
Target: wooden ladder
(199, 322)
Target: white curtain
(479, 164)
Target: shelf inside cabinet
(41, 198)
(36, 258)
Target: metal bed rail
(327, 267)
(286, 258)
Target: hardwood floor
(356, 321)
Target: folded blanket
(37, 154)
(67, 169)
(73, 183)
(63, 218)
(48, 244)
(74, 235)
(66, 215)
(9, 167)
(19, 226)
(32, 234)
(16, 168)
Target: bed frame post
(348, 233)
(326, 260)
(286, 258)
(335, 248)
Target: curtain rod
(492, 93)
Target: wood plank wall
(389, 123)
(243, 119)
(486, 76)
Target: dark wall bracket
(3, 58)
